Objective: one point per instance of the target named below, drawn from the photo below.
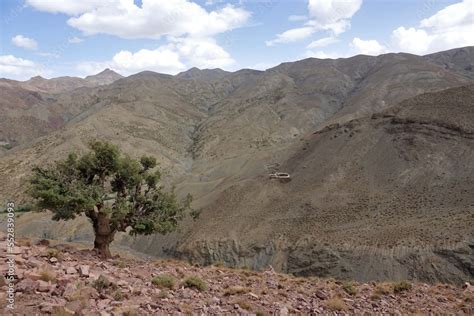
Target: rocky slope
(63, 280)
(371, 195)
(36, 107)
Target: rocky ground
(64, 280)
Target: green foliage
(103, 284)
(7, 146)
(164, 281)
(105, 184)
(195, 282)
(24, 208)
(401, 287)
(349, 288)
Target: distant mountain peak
(106, 76)
(196, 73)
(37, 78)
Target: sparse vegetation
(401, 287)
(54, 253)
(234, 290)
(120, 264)
(164, 281)
(195, 282)
(103, 284)
(349, 288)
(47, 276)
(336, 304)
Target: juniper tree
(113, 190)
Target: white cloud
(292, 35)
(178, 55)
(69, 7)
(24, 42)
(449, 28)
(455, 15)
(323, 55)
(157, 18)
(324, 15)
(411, 40)
(18, 68)
(161, 60)
(297, 18)
(189, 30)
(367, 47)
(201, 53)
(330, 11)
(323, 42)
(75, 40)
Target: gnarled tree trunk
(104, 235)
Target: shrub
(402, 287)
(349, 288)
(195, 282)
(234, 290)
(383, 289)
(336, 304)
(47, 276)
(119, 264)
(164, 281)
(54, 253)
(102, 283)
(24, 208)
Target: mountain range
(380, 150)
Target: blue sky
(78, 38)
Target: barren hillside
(380, 151)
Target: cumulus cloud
(324, 15)
(155, 18)
(24, 42)
(178, 55)
(333, 14)
(18, 68)
(367, 47)
(449, 28)
(69, 7)
(188, 28)
(324, 55)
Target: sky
(55, 38)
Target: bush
(195, 282)
(47, 276)
(54, 253)
(349, 288)
(24, 208)
(164, 281)
(234, 290)
(336, 304)
(119, 264)
(102, 283)
(402, 287)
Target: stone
(84, 270)
(71, 270)
(32, 275)
(53, 260)
(69, 291)
(26, 286)
(321, 295)
(44, 286)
